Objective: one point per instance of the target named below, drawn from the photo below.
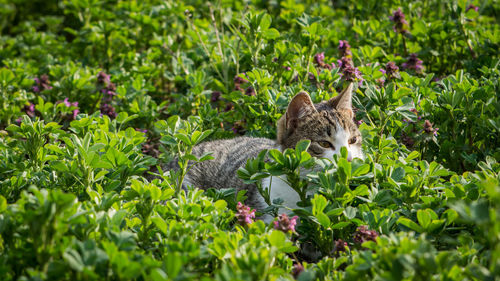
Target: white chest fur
(281, 189)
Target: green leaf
(277, 156)
(319, 203)
(277, 239)
(410, 224)
(323, 220)
(302, 145)
(161, 224)
(6, 76)
(184, 138)
(271, 34)
(265, 22)
(424, 218)
(3, 204)
(350, 212)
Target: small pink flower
(472, 7)
(344, 49)
(340, 246)
(413, 63)
(400, 24)
(285, 224)
(244, 214)
(319, 58)
(363, 234)
(298, 268)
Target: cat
(328, 125)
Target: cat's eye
(353, 140)
(325, 144)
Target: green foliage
(95, 94)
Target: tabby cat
(328, 125)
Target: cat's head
(328, 125)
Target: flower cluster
(107, 88)
(348, 71)
(244, 214)
(238, 81)
(29, 109)
(215, 96)
(413, 63)
(285, 224)
(105, 85)
(239, 127)
(297, 269)
(345, 49)
(73, 105)
(363, 234)
(428, 129)
(319, 60)
(41, 84)
(391, 70)
(400, 24)
(108, 109)
(472, 7)
(340, 246)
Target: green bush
(95, 94)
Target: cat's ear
(343, 102)
(300, 106)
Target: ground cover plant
(95, 94)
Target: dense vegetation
(94, 94)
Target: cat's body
(230, 155)
(328, 125)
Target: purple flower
(319, 58)
(239, 80)
(103, 78)
(66, 102)
(413, 63)
(238, 128)
(107, 109)
(472, 7)
(340, 246)
(30, 110)
(215, 96)
(275, 59)
(398, 17)
(428, 129)
(382, 70)
(141, 130)
(250, 91)
(297, 269)
(311, 76)
(244, 215)
(285, 224)
(287, 68)
(229, 107)
(391, 70)
(362, 235)
(344, 49)
(42, 84)
(348, 72)
(19, 120)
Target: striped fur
(329, 122)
